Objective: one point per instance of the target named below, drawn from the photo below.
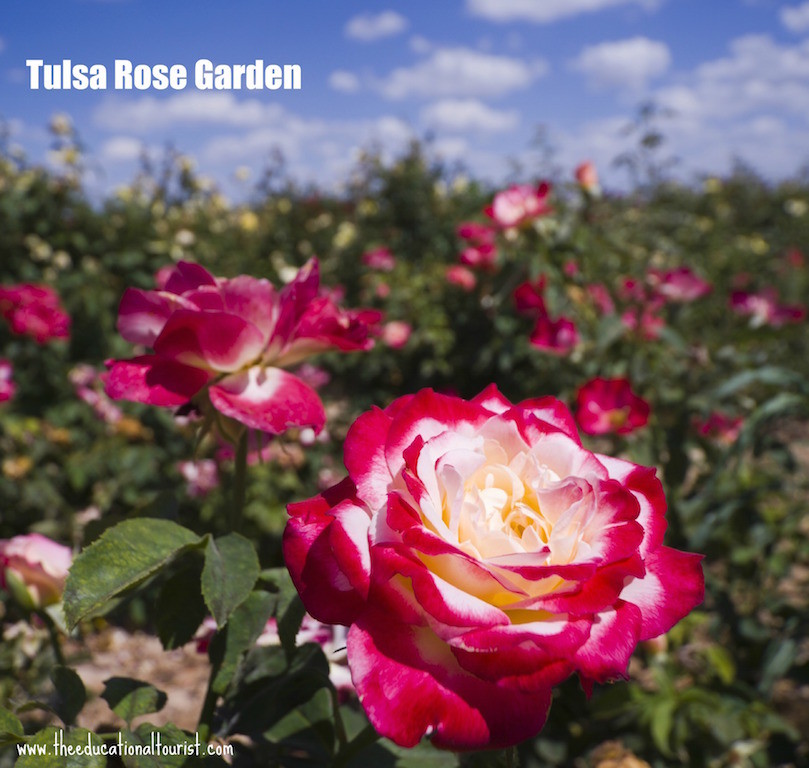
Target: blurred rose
(610, 406)
(89, 386)
(601, 298)
(721, 427)
(519, 205)
(33, 568)
(587, 176)
(763, 308)
(381, 259)
(462, 277)
(680, 285)
(480, 555)
(396, 333)
(201, 476)
(557, 336)
(7, 387)
(34, 310)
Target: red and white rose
(480, 555)
(226, 342)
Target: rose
(381, 259)
(519, 204)
(557, 336)
(223, 343)
(7, 386)
(480, 555)
(34, 569)
(610, 405)
(462, 277)
(396, 333)
(587, 176)
(678, 285)
(763, 308)
(34, 310)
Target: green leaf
(307, 728)
(290, 610)
(662, 719)
(130, 698)
(276, 697)
(722, 663)
(778, 658)
(69, 696)
(180, 608)
(231, 569)
(770, 374)
(246, 623)
(51, 748)
(121, 558)
(11, 729)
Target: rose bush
(225, 342)
(481, 555)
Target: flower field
(421, 472)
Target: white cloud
(121, 149)
(462, 115)
(752, 104)
(368, 27)
(545, 11)
(459, 72)
(795, 17)
(316, 150)
(623, 63)
(148, 113)
(346, 82)
(419, 44)
(758, 76)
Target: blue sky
(478, 76)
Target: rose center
(499, 508)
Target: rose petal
(268, 399)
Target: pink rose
(587, 176)
(519, 205)
(34, 569)
(201, 476)
(89, 385)
(480, 555)
(224, 343)
(462, 277)
(720, 427)
(601, 298)
(396, 333)
(763, 308)
(558, 336)
(34, 310)
(680, 285)
(610, 406)
(475, 232)
(7, 387)
(481, 256)
(381, 259)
